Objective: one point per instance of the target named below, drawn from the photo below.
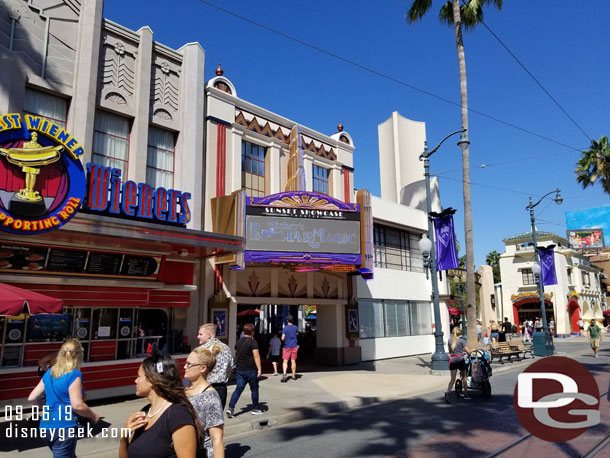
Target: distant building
(576, 295)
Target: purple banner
(547, 266)
(446, 253)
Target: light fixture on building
(183, 253)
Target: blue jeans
(65, 448)
(243, 378)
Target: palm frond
(418, 9)
(471, 12)
(594, 165)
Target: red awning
(454, 311)
(249, 312)
(15, 299)
(606, 312)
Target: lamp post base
(549, 344)
(439, 364)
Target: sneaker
(467, 398)
(294, 377)
(275, 373)
(285, 378)
(256, 412)
(229, 412)
(447, 397)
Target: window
(389, 318)
(421, 321)
(586, 281)
(253, 169)
(160, 158)
(320, 179)
(396, 249)
(111, 141)
(371, 319)
(48, 106)
(396, 318)
(569, 276)
(528, 277)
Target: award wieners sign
(42, 180)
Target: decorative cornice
(266, 130)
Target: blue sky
(564, 47)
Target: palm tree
(594, 165)
(493, 260)
(470, 14)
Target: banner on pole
(446, 252)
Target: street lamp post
(536, 270)
(440, 359)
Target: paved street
(425, 426)
(387, 408)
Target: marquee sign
(302, 227)
(42, 181)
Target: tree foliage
(493, 260)
(594, 165)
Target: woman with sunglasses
(168, 427)
(204, 398)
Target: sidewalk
(317, 391)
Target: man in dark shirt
(289, 336)
(507, 327)
(248, 370)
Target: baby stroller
(478, 371)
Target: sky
(522, 143)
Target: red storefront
(116, 254)
(124, 286)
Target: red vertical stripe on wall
(221, 148)
(346, 187)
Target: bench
(502, 349)
(519, 346)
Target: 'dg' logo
(557, 399)
(42, 181)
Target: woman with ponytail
(204, 398)
(168, 427)
(457, 350)
(62, 386)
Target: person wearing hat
(289, 337)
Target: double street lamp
(440, 359)
(549, 346)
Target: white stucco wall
(513, 261)
(395, 347)
(400, 285)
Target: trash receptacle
(540, 348)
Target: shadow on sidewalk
(399, 424)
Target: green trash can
(540, 348)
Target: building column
(81, 116)
(332, 346)
(138, 148)
(189, 173)
(308, 166)
(275, 173)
